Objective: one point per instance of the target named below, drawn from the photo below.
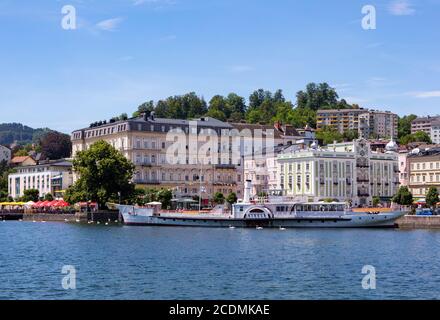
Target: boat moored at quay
(267, 213)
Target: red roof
(20, 159)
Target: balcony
(225, 166)
(147, 182)
(362, 180)
(363, 194)
(362, 166)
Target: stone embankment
(419, 222)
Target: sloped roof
(21, 159)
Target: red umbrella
(44, 204)
(37, 204)
(63, 203)
(52, 203)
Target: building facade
(51, 177)
(423, 124)
(5, 154)
(435, 132)
(144, 141)
(403, 167)
(424, 171)
(368, 123)
(344, 171)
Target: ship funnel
(247, 191)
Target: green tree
(217, 114)
(48, 197)
(104, 175)
(404, 125)
(376, 201)
(237, 106)
(432, 197)
(403, 196)
(164, 196)
(419, 136)
(218, 198)
(31, 195)
(181, 107)
(21, 153)
(55, 145)
(350, 135)
(232, 198)
(146, 107)
(317, 96)
(139, 197)
(328, 135)
(5, 170)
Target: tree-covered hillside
(16, 132)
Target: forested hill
(16, 132)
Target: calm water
(115, 262)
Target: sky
(125, 52)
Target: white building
(51, 177)
(5, 154)
(435, 132)
(344, 171)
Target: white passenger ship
(270, 213)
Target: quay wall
(101, 216)
(48, 217)
(419, 222)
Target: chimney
(247, 191)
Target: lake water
(115, 262)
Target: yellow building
(424, 171)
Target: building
(423, 124)
(343, 171)
(435, 132)
(339, 119)
(262, 170)
(144, 141)
(23, 161)
(5, 154)
(368, 123)
(403, 167)
(50, 177)
(424, 171)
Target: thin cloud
(356, 100)
(240, 68)
(109, 24)
(401, 8)
(126, 58)
(157, 2)
(425, 94)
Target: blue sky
(124, 52)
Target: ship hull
(349, 221)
